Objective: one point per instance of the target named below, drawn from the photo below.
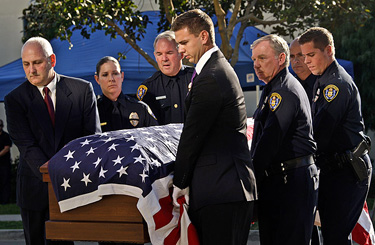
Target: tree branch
(243, 26)
(168, 6)
(132, 43)
(259, 21)
(225, 44)
(233, 18)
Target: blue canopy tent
(81, 59)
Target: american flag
(136, 162)
(363, 232)
(139, 163)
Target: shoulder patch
(275, 100)
(330, 92)
(141, 92)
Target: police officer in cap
(165, 91)
(282, 149)
(345, 166)
(117, 110)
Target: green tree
(356, 44)
(284, 17)
(53, 18)
(49, 18)
(351, 21)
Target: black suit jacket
(31, 130)
(213, 157)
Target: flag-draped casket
(131, 169)
(106, 187)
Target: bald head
(38, 61)
(297, 60)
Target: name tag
(161, 97)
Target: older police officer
(282, 149)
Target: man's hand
(177, 192)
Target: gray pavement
(15, 237)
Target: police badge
(141, 92)
(330, 92)
(134, 119)
(274, 101)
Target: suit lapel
(39, 109)
(63, 108)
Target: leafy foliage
(355, 43)
(351, 21)
(286, 18)
(49, 18)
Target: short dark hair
(196, 21)
(104, 60)
(320, 36)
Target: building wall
(11, 27)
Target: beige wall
(11, 27)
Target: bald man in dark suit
(43, 114)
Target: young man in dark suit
(213, 159)
(43, 114)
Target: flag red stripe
(164, 216)
(360, 235)
(192, 235)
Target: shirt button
(175, 106)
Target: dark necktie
(48, 101)
(316, 90)
(116, 116)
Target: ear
(329, 50)
(97, 79)
(53, 60)
(122, 76)
(282, 58)
(205, 37)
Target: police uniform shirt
(166, 95)
(282, 123)
(337, 116)
(125, 113)
(308, 85)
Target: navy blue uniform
(282, 149)
(308, 85)
(125, 113)
(166, 95)
(338, 128)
